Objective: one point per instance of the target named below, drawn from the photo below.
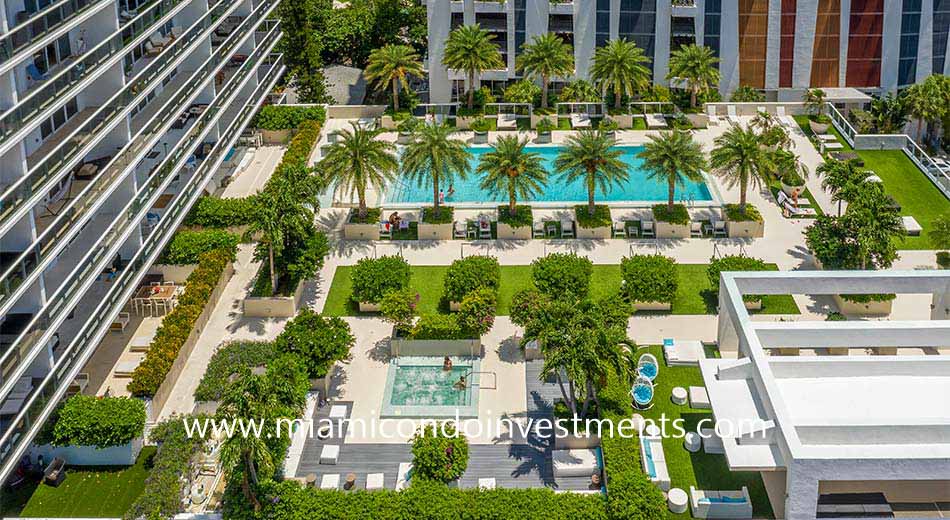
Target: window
(59, 118)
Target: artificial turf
(92, 492)
(694, 296)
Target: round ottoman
(692, 442)
(638, 422)
(677, 500)
(652, 430)
(679, 395)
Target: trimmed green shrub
(649, 278)
(868, 298)
(470, 273)
(374, 277)
(446, 215)
(522, 217)
(319, 341)
(477, 312)
(439, 452)
(438, 326)
(480, 125)
(527, 305)
(219, 213)
(300, 259)
(177, 325)
(186, 246)
(835, 316)
(792, 178)
(562, 274)
(399, 308)
(546, 125)
(734, 263)
(300, 147)
(612, 310)
(524, 91)
(408, 126)
(291, 382)
(229, 359)
(286, 117)
(679, 214)
(99, 421)
(734, 214)
(632, 495)
(373, 216)
(943, 259)
(600, 218)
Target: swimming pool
(637, 188)
(417, 386)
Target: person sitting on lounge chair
(394, 219)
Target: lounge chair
(507, 122)
(719, 228)
(646, 229)
(655, 121)
(620, 229)
(713, 117)
(484, 228)
(567, 228)
(574, 463)
(720, 504)
(654, 461)
(385, 230)
(580, 121)
(121, 322)
(696, 229)
(374, 481)
(731, 114)
(403, 476)
(683, 352)
(802, 201)
(459, 230)
(538, 229)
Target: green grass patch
(90, 492)
(693, 296)
(702, 470)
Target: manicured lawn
(702, 470)
(92, 492)
(694, 295)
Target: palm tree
(673, 157)
(888, 114)
(841, 179)
(547, 55)
(507, 169)
(875, 223)
(579, 91)
(393, 64)
(357, 160)
(470, 49)
(940, 231)
(814, 99)
(771, 131)
(621, 66)
(697, 66)
(739, 159)
(928, 101)
(434, 156)
(591, 156)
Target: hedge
(99, 421)
(679, 214)
(228, 360)
(561, 274)
(600, 218)
(438, 326)
(187, 245)
(214, 212)
(178, 324)
(522, 217)
(162, 495)
(300, 147)
(374, 277)
(439, 452)
(285, 117)
(470, 273)
(734, 263)
(648, 278)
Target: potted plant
(437, 226)
(545, 127)
(406, 129)
(623, 117)
(609, 126)
(814, 100)
(743, 223)
(792, 184)
(671, 223)
(480, 127)
(649, 282)
(373, 278)
(597, 226)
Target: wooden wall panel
(824, 65)
(865, 38)
(787, 43)
(753, 39)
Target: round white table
(679, 395)
(692, 442)
(652, 430)
(677, 500)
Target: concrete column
(728, 47)
(468, 12)
(801, 494)
(585, 36)
(925, 48)
(844, 30)
(537, 15)
(773, 44)
(661, 45)
(891, 44)
(614, 19)
(940, 309)
(806, 14)
(439, 18)
(699, 22)
(726, 336)
(512, 48)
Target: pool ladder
(480, 382)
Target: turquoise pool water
(429, 386)
(637, 187)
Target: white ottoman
(679, 395)
(677, 500)
(374, 481)
(652, 430)
(638, 422)
(486, 483)
(698, 398)
(338, 411)
(330, 454)
(692, 442)
(330, 482)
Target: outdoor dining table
(153, 294)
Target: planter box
(464, 123)
(544, 138)
(435, 347)
(506, 232)
(576, 442)
(652, 306)
(600, 232)
(624, 121)
(480, 138)
(123, 455)
(403, 138)
(793, 191)
(387, 122)
(535, 119)
(818, 128)
(369, 307)
(274, 306)
(361, 231)
(173, 273)
(753, 306)
(275, 136)
(850, 308)
(435, 231)
(745, 229)
(668, 230)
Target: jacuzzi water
(651, 468)
(429, 386)
(648, 370)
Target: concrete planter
(652, 306)
(793, 191)
(275, 136)
(745, 229)
(753, 306)
(543, 138)
(506, 232)
(850, 308)
(173, 273)
(480, 138)
(818, 128)
(403, 138)
(465, 122)
(369, 307)
(670, 230)
(435, 347)
(361, 231)
(274, 306)
(535, 119)
(123, 455)
(387, 122)
(435, 231)
(600, 232)
(624, 121)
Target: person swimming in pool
(446, 364)
(451, 191)
(460, 384)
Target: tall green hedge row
(287, 117)
(102, 422)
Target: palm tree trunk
(671, 193)
(568, 399)
(471, 89)
(246, 489)
(362, 211)
(590, 193)
(435, 195)
(273, 274)
(395, 95)
(692, 97)
(743, 186)
(544, 91)
(512, 201)
(617, 94)
(249, 466)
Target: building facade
(779, 46)
(114, 117)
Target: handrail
(52, 17)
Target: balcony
(684, 8)
(29, 30)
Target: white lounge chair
(537, 229)
(696, 229)
(713, 116)
(655, 121)
(507, 122)
(654, 461)
(620, 229)
(720, 504)
(484, 228)
(121, 322)
(574, 463)
(580, 121)
(459, 230)
(719, 228)
(731, 114)
(646, 229)
(567, 228)
(385, 230)
(682, 352)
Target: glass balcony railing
(56, 164)
(44, 324)
(58, 234)
(57, 88)
(38, 405)
(42, 23)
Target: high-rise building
(779, 46)
(114, 116)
